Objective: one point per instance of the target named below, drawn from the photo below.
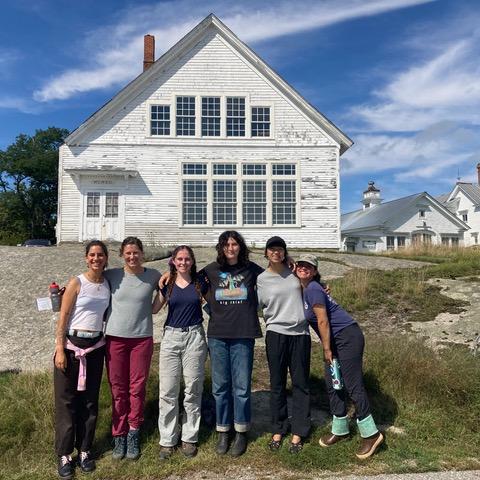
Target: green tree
(28, 186)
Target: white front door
(101, 216)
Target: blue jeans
(232, 364)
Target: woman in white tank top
(79, 357)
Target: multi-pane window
(160, 120)
(111, 204)
(283, 169)
(224, 169)
(235, 117)
(194, 169)
(284, 202)
(185, 117)
(400, 242)
(93, 204)
(195, 202)
(254, 169)
(254, 202)
(211, 116)
(227, 193)
(224, 202)
(260, 121)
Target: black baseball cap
(276, 242)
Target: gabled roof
(377, 216)
(187, 42)
(471, 190)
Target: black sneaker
(189, 449)
(239, 445)
(86, 462)
(66, 468)
(133, 445)
(119, 447)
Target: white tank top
(92, 301)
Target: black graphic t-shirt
(232, 299)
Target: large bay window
(241, 194)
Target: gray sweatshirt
(280, 297)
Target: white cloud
(116, 51)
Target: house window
(254, 202)
(400, 242)
(465, 217)
(369, 244)
(195, 202)
(418, 238)
(260, 121)
(254, 169)
(111, 204)
(235, 117)
(224, 202)
(160, 120)
(224, 169)
(284, 202)
(185, 116)
(454, 241)
(93, 204)
(210, 116)
(239, 194)
(390, 243)
(421, 213)
(474, 238)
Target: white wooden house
(207, 138)
(397, 224)
(464, 201)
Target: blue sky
(399, 77)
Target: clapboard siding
(152, 200)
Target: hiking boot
(119, 447)
(222, 443)
(369, 445)
(65, 467)
(165, 452)
(239, 445)
(86, 462)
(189, 449)
(331, 439)
(296, 447)
(133, 445)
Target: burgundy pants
(128, 363)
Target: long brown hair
(193, 271)
(243, 254)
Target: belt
(83, 333)
(182, 329)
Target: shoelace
(65, 459)
(84, 456)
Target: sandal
(274, 445)
(295, 447)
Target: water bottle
(55, 296)
(337, 381)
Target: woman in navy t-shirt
(183, 352)
(341, 338)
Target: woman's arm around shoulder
(68, 301)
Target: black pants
(347, 346)
(289, 353)
(76, 412)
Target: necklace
(97, 281)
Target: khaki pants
(182, 354)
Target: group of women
(232, 288)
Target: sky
(400, 77)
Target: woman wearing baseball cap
(341, 338)
(288, 345)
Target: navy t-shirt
(314, 294)
(184, 305)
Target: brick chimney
(478, 172)
(148, 51)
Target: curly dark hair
(243, 255)
(173, 271)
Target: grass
(434, 401)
